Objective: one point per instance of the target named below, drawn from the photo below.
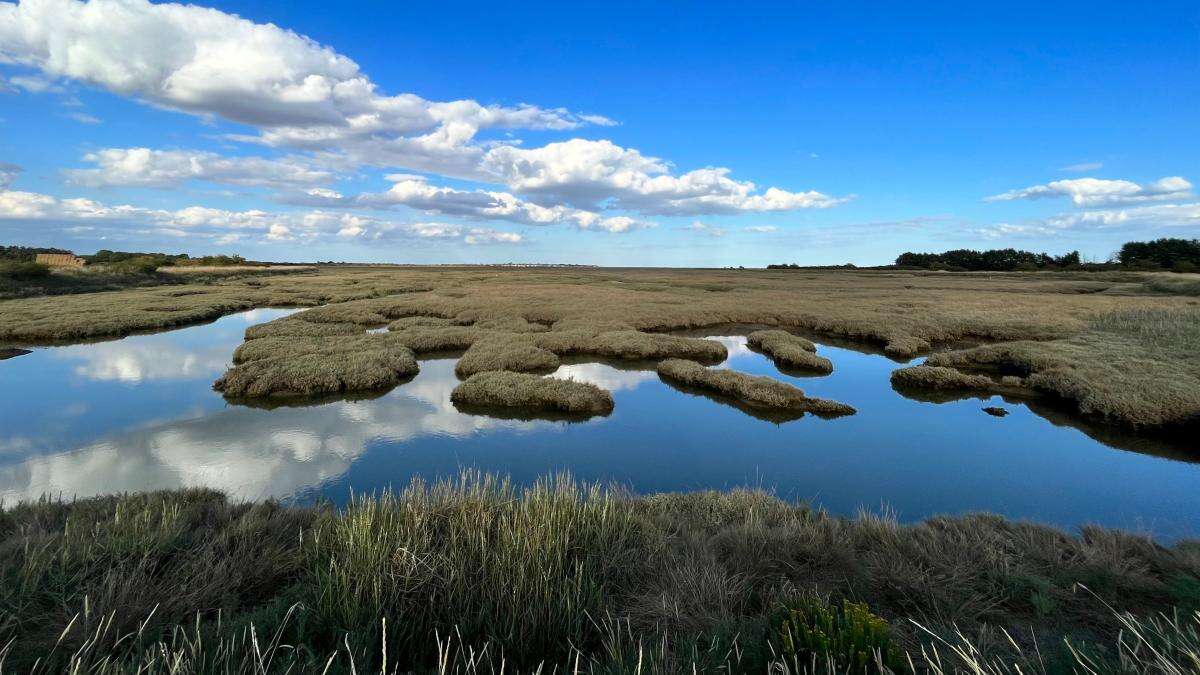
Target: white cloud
(761, 228)
(35, 84)
(298, 93)
(417, 193)
(225, 226)
(1082, 167)
(705, 228)
(166, 168)
(589, 173)
(1133, 218)
(1100, 192)
(84, 118)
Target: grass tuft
(752, 390)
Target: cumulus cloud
(297, 92)
(226, 226)
(418, 193)
(1139, 217)
(1101, 192)
(169, 168)
(300, 95)
(589, 173)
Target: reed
(466, 574)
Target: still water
(139, 414)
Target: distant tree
(26, 253)
(994, 260)
(1169, 254)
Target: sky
(608, 133)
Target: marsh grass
(505, 352)
(1135, 368)
(505, 389)
(789, 351)
(940, 378)
(468, 574)
(290, 367)
(753, 390)
(1051, 323)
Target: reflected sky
(139, 413)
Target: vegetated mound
(789, 351)
(752, 390)
(940, 378)
(276, 367)
(1135, 368)
(505, 352)
(505, 389)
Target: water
(139, 414)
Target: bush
(815, 637)
(23, 270)
(138, 265)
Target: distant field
(232, 269)
(1118, 346)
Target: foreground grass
(466, 575)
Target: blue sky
(606, 133)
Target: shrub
(23, 270)
(137, 265)
(813, 636)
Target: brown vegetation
(789, 351)
(752, 390)
(306, 366)
(1050, 322)
(505, 389)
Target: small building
(59, 260)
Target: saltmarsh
(1068, 335)
(469, 574)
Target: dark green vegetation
(26, 253)
(522, 391)
(993, 260)
(1180, 255)
(577, 578)
(1176, 255)
(755, 391)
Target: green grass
(753, 390)
(461, 575)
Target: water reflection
(139, 414)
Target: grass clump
(789, 351)
(505, 352)
(753, 390)
(290, 367)
(504, 389)
(811, 635)
(940, 378)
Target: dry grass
(296, 366)
(1050, 318)
(533, 393)
(561, 573)
(752, 390)
(940, 378)
(502, 352)
(789, 351)
(1132, 368)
